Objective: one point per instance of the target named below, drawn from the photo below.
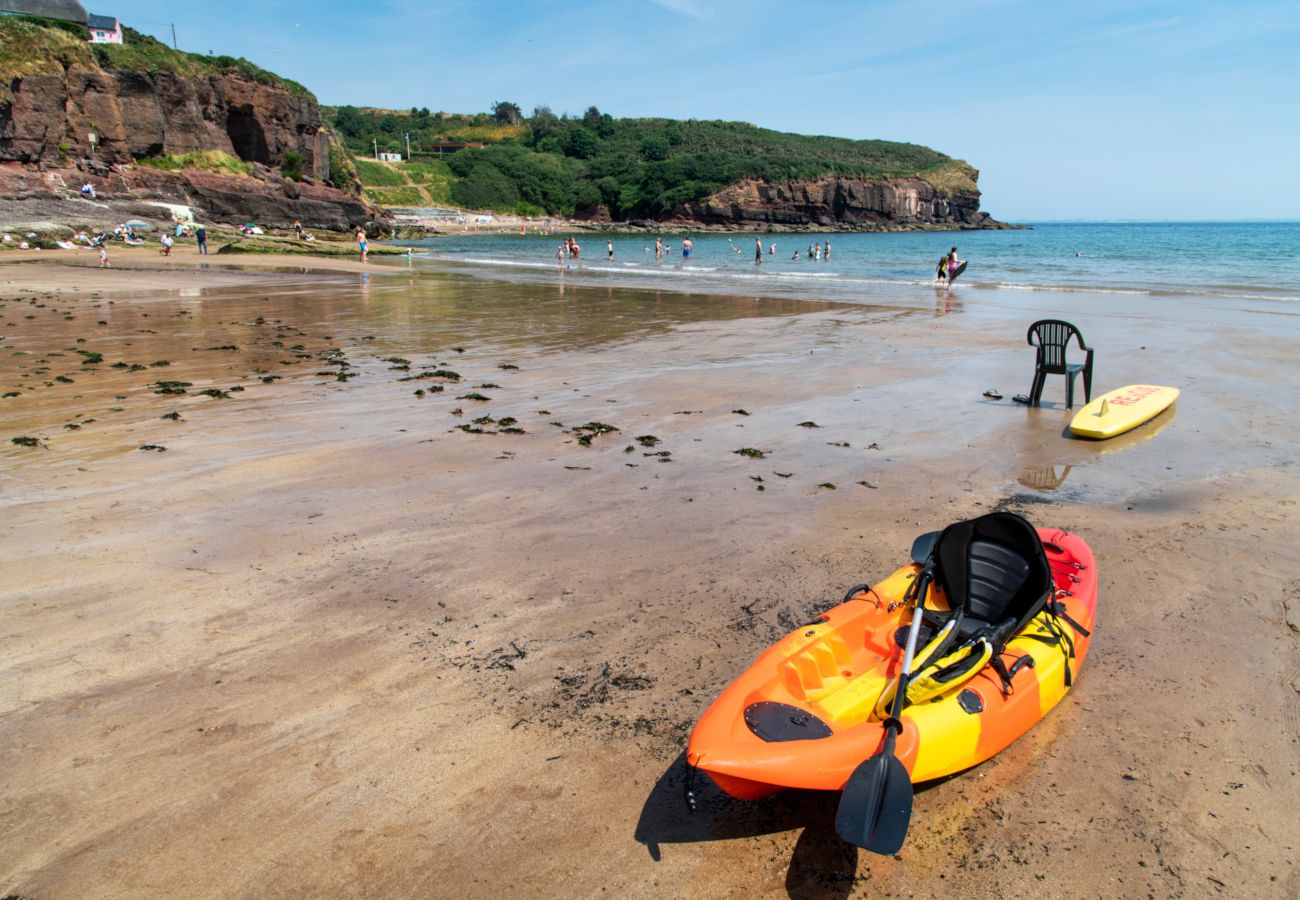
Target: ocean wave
(845, 283)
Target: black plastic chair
(1052, 337)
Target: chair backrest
(1052, 336)
(994, 569)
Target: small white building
(104, 29)
(390, 157)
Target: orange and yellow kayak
(804, 714)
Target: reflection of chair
(1044, 479)
(1051, 337)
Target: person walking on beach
(103, 256)
(953, 262)
(361, 243)
(166, 245)
(201, 235)
(758, 250)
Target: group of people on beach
(946, 270)
(815, 251)
(571, 250)
(662, 249)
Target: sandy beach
(287, 611)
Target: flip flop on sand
(992, 394)
(1021, 398)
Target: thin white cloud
(683, 7)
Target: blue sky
(1099, 110)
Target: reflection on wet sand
(1043, 478)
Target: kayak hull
(832, 672)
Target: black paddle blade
(876, 805)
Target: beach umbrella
(138, 225)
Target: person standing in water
(686, 248)
(609, 250)
(659, 248)
(758, 250)
(828, 250)
(953, 263)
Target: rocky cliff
(145, 101)
(136, 115)
(842, 203)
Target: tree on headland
(506, 113)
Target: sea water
(1156, 260)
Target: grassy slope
(422, 184)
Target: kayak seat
(994, 573)
(1052, 337)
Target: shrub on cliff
(208, 160)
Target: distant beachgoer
(796, 255)
(659, 247)
(817, 252)
(361, 243)
(201, 234)
(758, 250)
(574, 250)
(559, 256)
(166, 245)
(941, 270)
(88, 191)
(180, 229)
(771, 251)
(810, 251)
(645, 248)
(733, 246)
(297, 229)
(828, 250)
(686, 248)
(953, 262)
(609, 249)
(103, 256)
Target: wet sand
(328, 642)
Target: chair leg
(1036, 392)
(1069, 391)
(1087, 386)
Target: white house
(390, 157)
(104, 29)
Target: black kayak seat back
(996, 573)
(993, 570)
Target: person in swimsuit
(609, 249)
(758, 250)
(659, 248)
(686, 248)
(953, 263)
(361, 243)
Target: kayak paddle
(876, 804)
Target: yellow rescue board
(1122, 410)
